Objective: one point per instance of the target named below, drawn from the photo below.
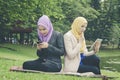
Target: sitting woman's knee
(96, 71)
(26, 65)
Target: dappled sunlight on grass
(116, 74)
(15, 55)
(109, 52)
(111, 63)
(5, 74)
(17, 52)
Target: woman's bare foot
(15, 68)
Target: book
(96, 44)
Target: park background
(18, 23)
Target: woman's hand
(97, 46)
(42, 45)
(38, 47)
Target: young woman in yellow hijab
(75, 45)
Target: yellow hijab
(75, 28)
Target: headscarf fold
(45, 22)
(75, 28)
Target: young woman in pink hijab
(49, 50)
(75, 46)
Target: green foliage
(115, 33)
(78, 8)
(102, 27)
(101, 15)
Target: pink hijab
(45, 21)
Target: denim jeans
(89, 64)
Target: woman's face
(83, 27)
(43, 30)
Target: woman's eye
(44, 29)
(82, 26)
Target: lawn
(12, 54)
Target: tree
(73, 9)
(102, 26)
(27, 11)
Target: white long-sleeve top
(72, 57)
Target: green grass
(110, 59)
(11, 55)
(17, 52)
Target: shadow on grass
(110, 63)
(2, 58)
(8, 48)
